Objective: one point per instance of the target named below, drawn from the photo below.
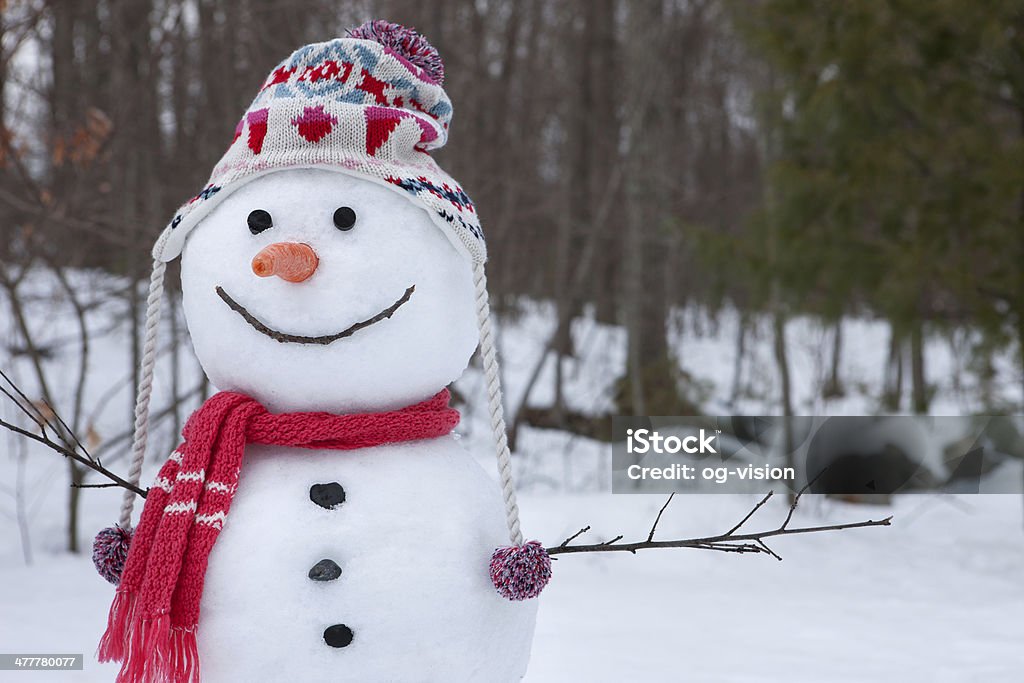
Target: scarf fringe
(149, 649)
(122, 610)
(184, 662)
(147, 656)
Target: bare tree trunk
(834, 386)
(577, 216)
(737, 367)
(778, 312)
(76, 472)
(4, 58)
(563, 310)
(634, 314)
(919, 384)
(21, 503)
(77, 476)
(785, 388)
(892, 385)
(35, 355)
(1020, 286)
(650, 384)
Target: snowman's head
(313, 289)
(329, 263)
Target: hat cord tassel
(519, 571)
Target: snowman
(320, 521)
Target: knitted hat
(370, 105)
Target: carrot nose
(289, 261)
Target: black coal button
(325, 570)
(327, 496)
(338, 635)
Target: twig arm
(730, 541)
(750, 514)
(650, 536)
(739, 541)
(91, 464)
(575, 535)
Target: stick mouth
(286, 338)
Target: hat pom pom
(109, 552)
(406, 42)
(520, 572)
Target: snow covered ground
(937, 597)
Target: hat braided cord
(145, 392)
(494, 404)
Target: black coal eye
(344, 218)
(259, 220)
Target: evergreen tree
(895, 173)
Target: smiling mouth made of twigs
(283, 337)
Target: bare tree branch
(77, 457)
(69, 444)
(730, 541)
(751, 513)
(573, 537)
(650, 536)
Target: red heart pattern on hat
(314, 124)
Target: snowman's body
(412, 538)
(420, 519)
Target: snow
(413, 539)
(363, 271)
(937, 596)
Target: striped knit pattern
(152, 623)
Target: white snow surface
(935, 597)
(413, 539)
(938, 596)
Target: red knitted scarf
(152, 624)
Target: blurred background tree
(895, 134)
(775, 157)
